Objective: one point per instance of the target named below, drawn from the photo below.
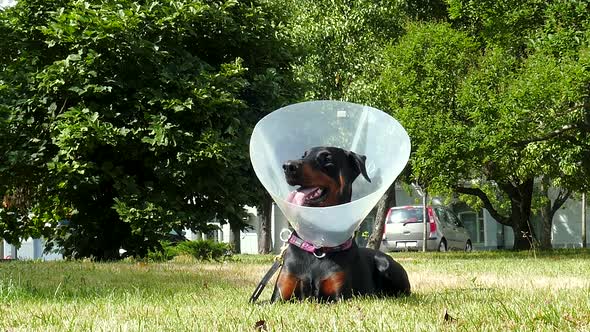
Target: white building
(248, 237)
(29, 249)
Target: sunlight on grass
(480, 291)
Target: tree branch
(486, 202)
(550, 135)
(560, 200)
(563, 129)
(508, 187)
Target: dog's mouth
(308, 196)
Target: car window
(442, 216)
(405, 215)
(454, 219)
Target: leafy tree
(492, 107)
(125, 120)
(342, 44)
(341, 41)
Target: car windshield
(406, 215)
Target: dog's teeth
(315, 194)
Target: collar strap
(318, 251)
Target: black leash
(273, 269)
(275, 266)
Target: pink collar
(317, 252)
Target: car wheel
(468, 246)
(442, 246)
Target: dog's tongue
(297, 197)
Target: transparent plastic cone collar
(287, 133)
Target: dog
(325, 176)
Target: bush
(201, 250)
(204, 249)
(165, 253)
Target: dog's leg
(330, 288)
(304, 289)
(285, 287)
(392, 277)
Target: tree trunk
(546, 226)
(236, 237)
(548, 211)
(387, 201)
(546, 215)
(521, 197)
(523, 240)
(265, 229)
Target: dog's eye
(326, 159)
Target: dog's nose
(290, 167)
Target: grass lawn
(481, 291)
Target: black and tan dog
(325, 176)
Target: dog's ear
(358, 162)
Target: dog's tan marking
(286, 284)
(313, 178)
(331, 285)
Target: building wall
(279, 224)
(29, 249)
(566, 229)
(249, 237)
(567, 225)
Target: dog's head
(325, 176)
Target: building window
(474, 224)
(213, 235)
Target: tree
(385, 203)
(341, 42)
(126, 120)
(550, 50)
(265, 244)
(491, 108)
(548, 208)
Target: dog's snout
(290, 167)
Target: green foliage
(419, 85)
(204, 249)
(506, 23)
(131, 119)
(341, 43)
(165, 252)
(200, 249)
(123, 120)
(494, 99)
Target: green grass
(481, 291)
